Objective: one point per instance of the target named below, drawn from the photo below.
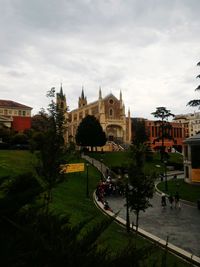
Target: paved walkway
(181, 226)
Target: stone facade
(191, 122)
(109, 110)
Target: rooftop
(12, 104)
(194, 139)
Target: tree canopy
(195, 102)
(51, 145)
(90, 133)
(140, 135)
(141, 184)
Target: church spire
(82, 99)
(129, 113)
(120, 95)
(100, 93)
(82, 93)
(61, 91)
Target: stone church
(109, 110)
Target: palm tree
(195, 102)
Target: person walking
(163, 200)
(171, 201)
(177, 200)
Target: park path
(180, 226)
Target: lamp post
(127, 206)
(87, 182)
(166, 185)
(101, 169)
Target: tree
(163, 114)
(195, 102)
(141, 184)
(140, 135)
(90, 133)
(51, 143)
(39, 122)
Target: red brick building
(14, 115)
(176, 132)
(153, 130)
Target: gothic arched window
(111, 112)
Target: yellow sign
(196, 175)
(74, 167)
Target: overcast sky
(148, 49)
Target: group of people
(174, 201)
(105, 188)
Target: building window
(1, 111)
(24, 113)
(10, 112)
(5, 112)
(111, 101)
(153, 131)
(111, 112)
(19, 112)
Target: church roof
(12, 104)
(109, 96)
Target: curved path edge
(161, 242)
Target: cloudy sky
(148, 49)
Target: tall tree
(51, 146)
(90, 133)
(141, 183)
(140, 135)
(164, 125)
(195, 102)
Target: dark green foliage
(5, 133)
(142, 184)
(18, 191)
(195, 102)
(140, 134)
(36, 239)
(51, 146)
(19, 138)
(90, 133)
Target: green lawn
(69, 197)
(121, 159)
(187, 191)
(13, 162)
(112, 159)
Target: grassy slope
(70, 197)
(13, 162)
(187, 191)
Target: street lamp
(101, 169)
(87, 182)
(127, 205)
(166, 185)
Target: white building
(191, 122)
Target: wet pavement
(181, 226)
